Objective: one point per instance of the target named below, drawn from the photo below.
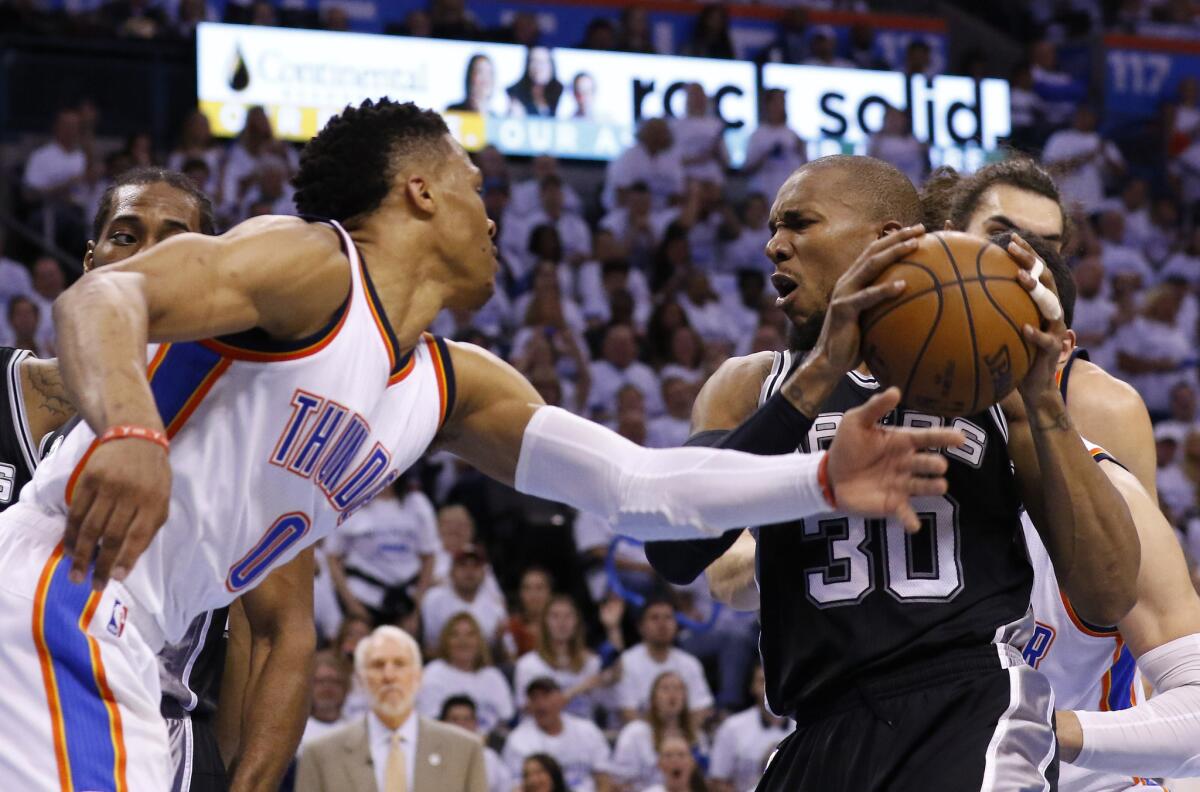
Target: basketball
(951, 341)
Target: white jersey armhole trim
(20, 417)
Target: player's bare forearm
(101, 325)
(276, 699)
(1083, 520)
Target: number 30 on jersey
(921, 567)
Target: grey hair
(385, 631)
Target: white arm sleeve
(665, 493)
(1161, 737)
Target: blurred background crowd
(623, 287)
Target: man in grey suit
(392, 748)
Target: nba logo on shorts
(116, 622)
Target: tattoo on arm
(1058, 423)
(809, 406)
(52, 394)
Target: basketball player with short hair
(1109, 738)
(262, 711)
(1017, 194)
(290, 379)
(903, 652)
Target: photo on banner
(574, 104)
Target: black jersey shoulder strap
(15, 430)
(1078, 353)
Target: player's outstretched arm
(1081, 517)
(1160, 737)
(279, 274)
(501, 427)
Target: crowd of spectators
(617, 303)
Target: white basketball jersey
(1089, 666)
(273, 445)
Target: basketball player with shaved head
(899, 655)
(262, 709)
(1110, 737)
(243, 395)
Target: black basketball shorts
(195, 756)
(971, 720)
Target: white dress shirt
(379, 737)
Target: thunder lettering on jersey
(273, 444)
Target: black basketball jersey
(846, 599)
(190, 670)
(18, 449)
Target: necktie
(395, 777)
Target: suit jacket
(448, 759)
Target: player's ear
(1068, 345)
(890, 227)
(89, 256)
(419, 194)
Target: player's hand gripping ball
(952, 340)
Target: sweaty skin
(1106, 410)
(259, 725)
(815, 229)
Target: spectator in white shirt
(600, 280)
(464, 667)
(642, 663)
(460, 711)
(270, 192)
(1094, 311)
(1182, 418)
(1176, 492)
(1079, 158)
(700, 139)
(619, 366)
(637, 225)
(561, 654)
(575, 238)
(330, 684)
(773, 150)
(744, 741)
(48, 282)
(745, 251)
(895, 143)
(526, 195)
(635, 757)
(1134, 205)
(381, 561)
(1116, 256)
(704, 309)
(653, 159)
(53, 169)
(196, 143)
(671, 429)
(256, 142)
(456, 532)
(576, 744)
(463, 594)
(1151, 348)
(1185, 263)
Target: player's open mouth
(784, 284)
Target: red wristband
(823, 480)
(124, 431)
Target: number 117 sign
(1142, 74)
